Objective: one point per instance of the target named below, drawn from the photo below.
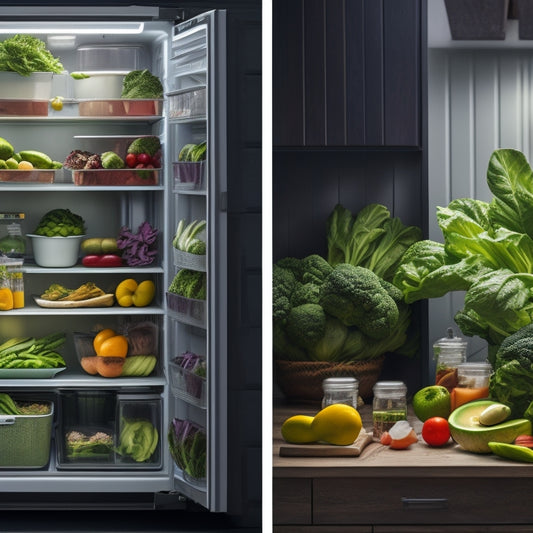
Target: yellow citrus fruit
(338, 424)
(25, 165)
(101, 337)
(57, 103)
(297, 430)
(116, 346)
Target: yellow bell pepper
(129, 292)
(6, 299)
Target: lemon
(57, 103)
(297, 430)
(338, 424)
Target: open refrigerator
(189, 58)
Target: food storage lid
(339, 383)
(391, 389)
(450, 344)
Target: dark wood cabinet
(347, 73)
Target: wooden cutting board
(106, 300)
(327, 450)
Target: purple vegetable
(139, 248)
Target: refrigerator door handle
(7, 420)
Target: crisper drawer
(435, 500)
(100, 429)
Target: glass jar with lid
(450, 352)
(389, 405)
(340, 390)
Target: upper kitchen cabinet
(347, 73)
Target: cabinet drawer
(422, 500)
(292, 501)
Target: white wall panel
(478, 100)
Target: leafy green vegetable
(141, 84)
(190, 284)
(372, 239)
(26, 54)
(60, 222)
(487, 252)
(112, 160)
(309, 317)
(186, 239)
(145, 145)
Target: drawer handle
(7, 420)
(425, 504)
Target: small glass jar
(473, 383)
(13, 244)
(389, 405)
(449, 352)
(340, 390)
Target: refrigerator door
(197, 327)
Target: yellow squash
(129, 292)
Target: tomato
(436, 431)
(144, 159)
(131, 160)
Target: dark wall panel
(307, 186)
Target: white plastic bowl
(36, 86)
(99, 84)
(56, 251)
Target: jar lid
(477, 369)
(390, 387)
(450, 340)
(340, 383)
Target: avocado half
(474, 437)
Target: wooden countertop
(376, 460)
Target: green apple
(432, 401)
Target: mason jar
(389, 405)
(340, 390)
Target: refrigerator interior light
(73, 28)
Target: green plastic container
(26, 440)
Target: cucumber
(37, 159)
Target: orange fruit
(116, 346)
(89, 364)
(109, 367)
(101, 337)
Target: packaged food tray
(118, 107)
(188, 310)
(27, 176)
(26, 439)
(120, 177)
(187, 385)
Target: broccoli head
(355, 296)
(283, 284)
(315, 269)
(145, 145)
(304, 293)
(283, 347)
(293, 264)
(141, 84)
(306, 325)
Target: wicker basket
(302, 380)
